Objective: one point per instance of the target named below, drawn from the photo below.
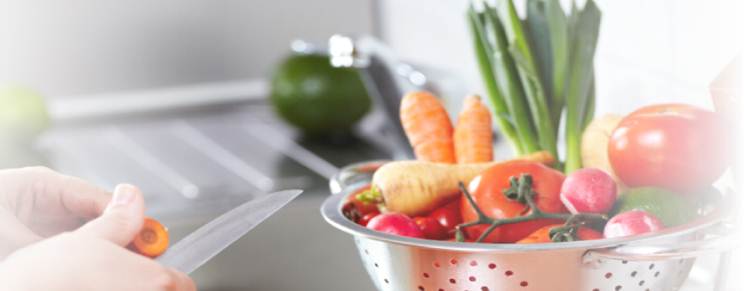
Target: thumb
(121, 220)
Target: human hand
(92, 257)
(37, 202)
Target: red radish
(395, 223)
(589, 191)
(431, 228)
(632, 222)
(367, 217)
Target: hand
(37, 202)
(92, 257)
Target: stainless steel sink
(195, 163)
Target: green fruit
(316, 97)
(673, 209)
(23, 114)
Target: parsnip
(417, 187)
(594, 144)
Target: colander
(658, 262)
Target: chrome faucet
(386, 79)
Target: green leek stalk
(484, 53)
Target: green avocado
(671, 208)
(316, 97)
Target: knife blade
(209, 240)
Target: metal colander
(658, 262)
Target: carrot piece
(152, 240)
(473, 133)
(428, 127)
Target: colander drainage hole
(524, 284)
(473, 263)
(421, 288)
(387, 281)
(440, 289)
(376, 265)
(641, 283)
(633, 274)
(595, 289)
(508, 273)
(452, 281)
(471, 278)
(608, 275)
(453, 261)
(484, 288)
(656, 275)
(492, 266)
(426, 275)
(436, 265)
(651, 267)
(618, 288)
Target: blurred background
(173, 96)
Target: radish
(589, 191)
(632, 222)
(397, 224)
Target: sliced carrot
(473, 133)
(428, 127)
(152, 240)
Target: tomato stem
(523, 186)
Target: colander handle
(359, 174)
(716, 244)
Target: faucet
(386, 79)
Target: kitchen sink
(197, 163)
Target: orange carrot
(428, 127)
(473, 133)
(152, 240)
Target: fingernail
(123, 195)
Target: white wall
(76, 47)
(649, 51)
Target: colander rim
(331, 210)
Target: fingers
(47, 188)
(121, 220)
(13, 234)
(180, 281)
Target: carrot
(152, 240)
(428, 127)
(473, 133)
(418, 187)
(540, 236)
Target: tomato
(397, 224)
(448, 215)
(367, 217)
(673, 146)
(362, 206)
(431, 228)
(542, 235)
(488, 193)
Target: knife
(209, 240)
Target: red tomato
(431, 228)
(361, 206)
(395, 223)
(586, 233)
(488, 193)
(367, 217)
(542, 235)
(674, 146)
(448, 215)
